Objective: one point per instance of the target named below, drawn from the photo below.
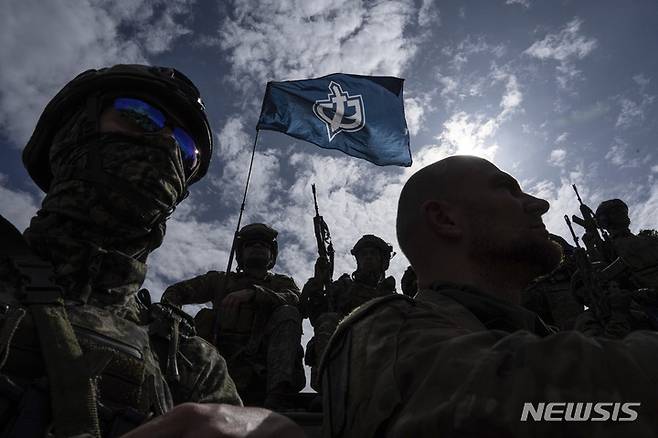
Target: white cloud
(557, 157)
(642, 81)
(618, 154)
(272, 40)
(428, 14)
(468, 48)
(644, 214)
(474, 134)
(633, 113)
(561, 138)
(415, 109)
(524, 3)
(65, 37)
(566, 46)
(17, 206)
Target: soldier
(259, 321)
(115, 152)
(639, 252)
(463, 358)
(369, 281)
(633, 291)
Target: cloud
(474, 134)
(234, 151)
(415, 109)
(644, 214)
(17, 206)
(618, 154)
(428, 14)
(566, 46)
(468, 48)
(633, 112)
(65, 37)
(271, 40)
(561, 138)
(524, 3)
(583, 115)
(557, 157)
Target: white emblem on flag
(340, 111)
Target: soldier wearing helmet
(638, 251)
(259, 321)
(612, 216)
(369, 281)
(115, 152)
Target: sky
(555, 92)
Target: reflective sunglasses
(151, 119)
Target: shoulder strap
(72, 389)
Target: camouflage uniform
(457, 362)
(80, 353)
(340, 298)
(550, 296)
(262, 342)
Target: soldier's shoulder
(282, 277)
(343, 281)
(393, 306)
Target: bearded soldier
(369, 281)
(463, 358)
(115, 152)
(259, 321)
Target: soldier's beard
(529, 257)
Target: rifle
(599, 248)
(323, 240)
(594, 295)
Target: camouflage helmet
(256, 232)
(614, 209)
(372, 241)
(165, 86)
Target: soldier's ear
(442, 218)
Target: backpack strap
(73, 396)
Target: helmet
(370, 240)
(166, 85)
(613, 212)
(256, 232)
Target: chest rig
(67, 370)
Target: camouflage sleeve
(204, 375)
(283, 290)
(197, 290)
(312, 301)
(407, 370)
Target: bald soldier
(463, 358)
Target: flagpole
(215, 326)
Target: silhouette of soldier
(463, 358)
(115, 151)
(259, 321)
(369, 281)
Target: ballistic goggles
(151, 119)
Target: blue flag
(362, 116)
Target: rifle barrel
(315, 200)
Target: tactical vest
(71, 369)
(346, 294)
